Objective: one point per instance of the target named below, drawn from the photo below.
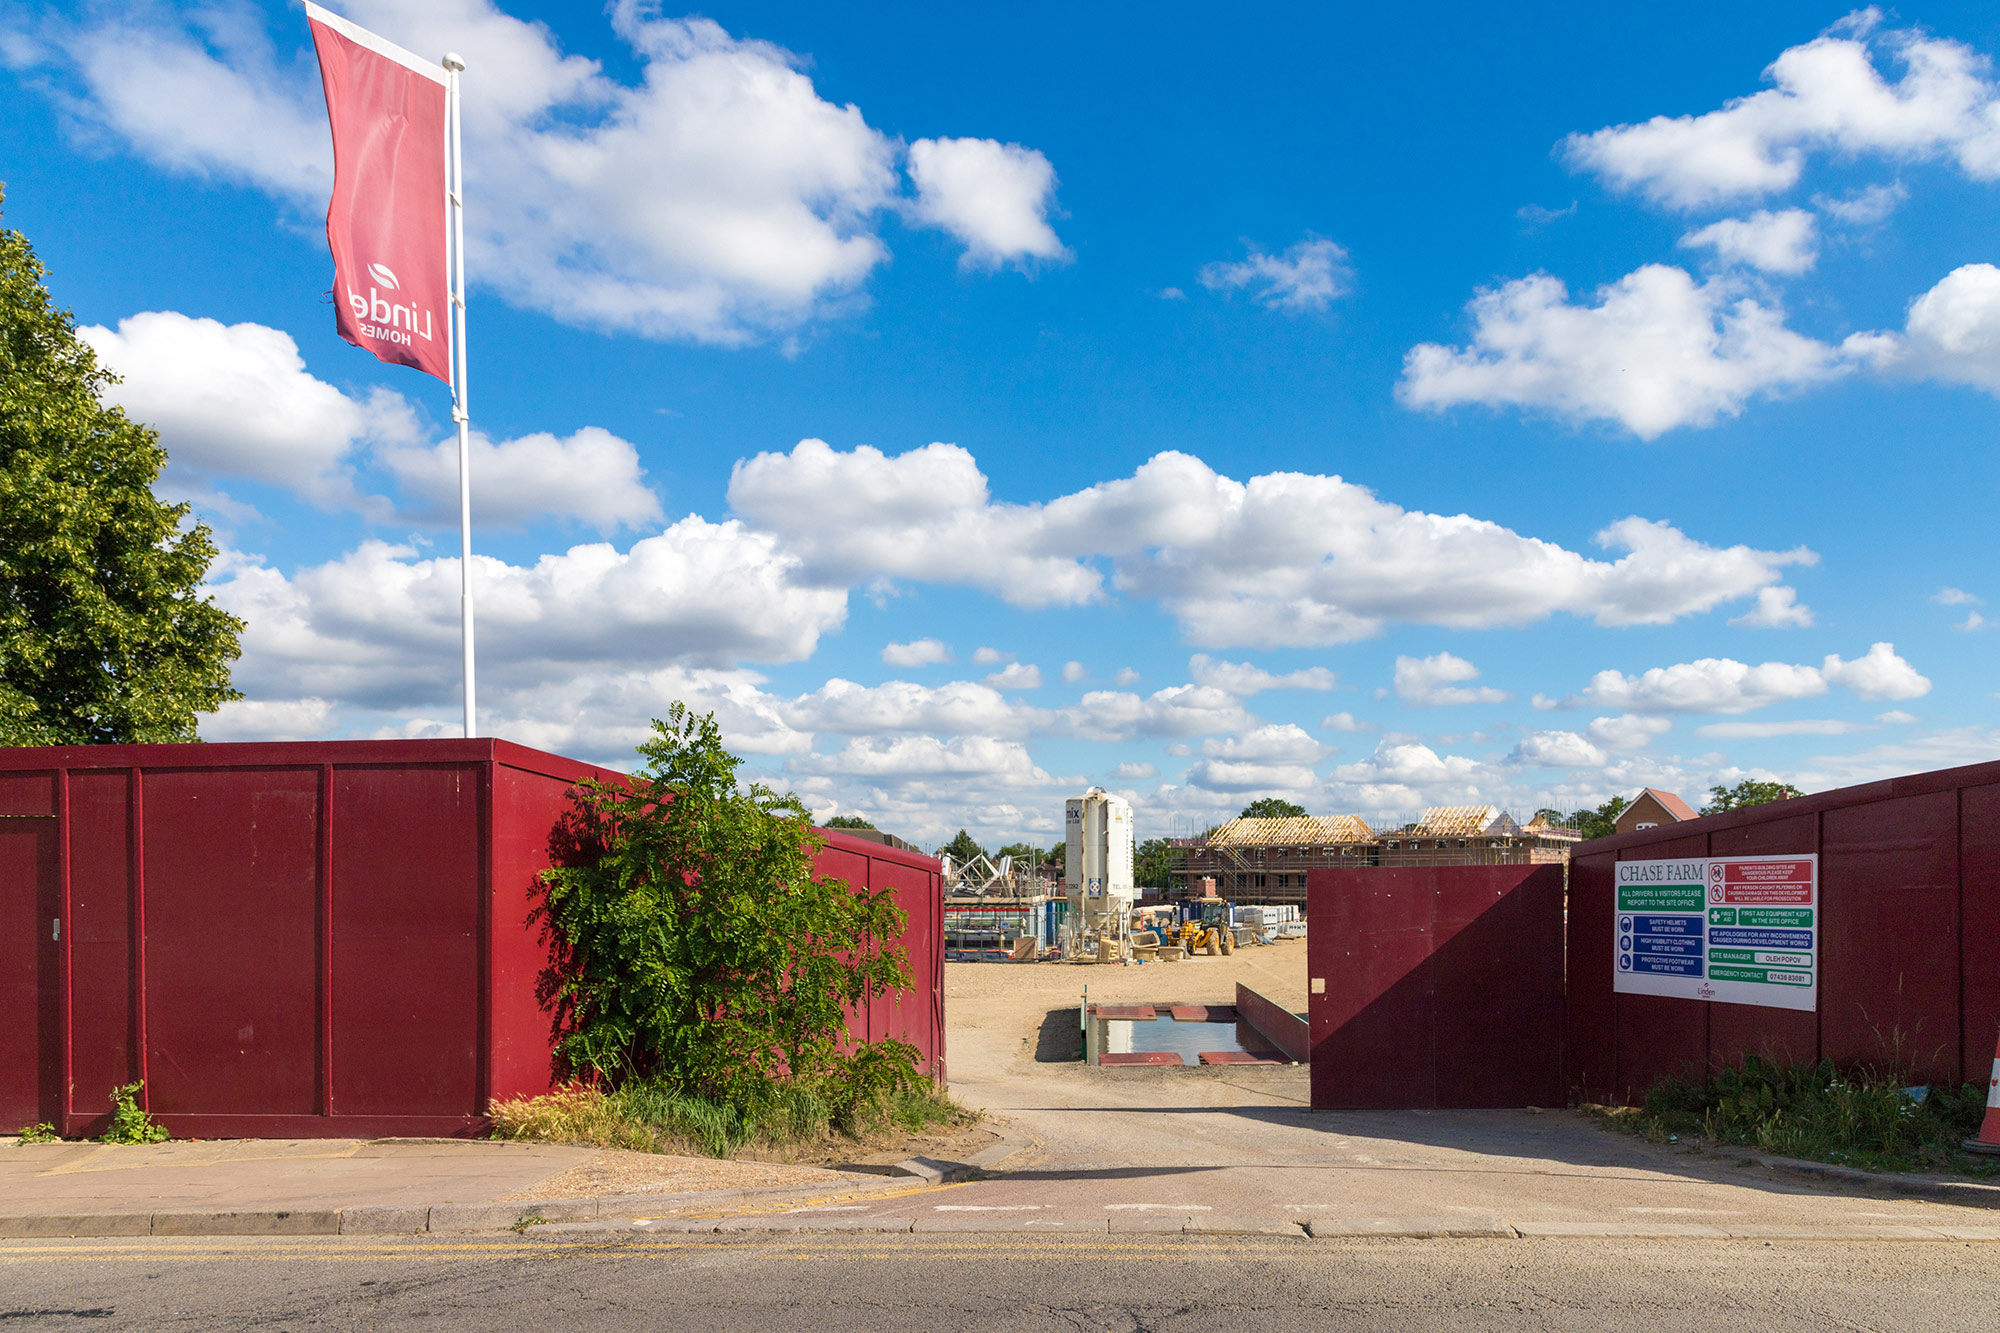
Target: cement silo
(1097, 871)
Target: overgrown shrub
(699, 958)
(1858, 1117)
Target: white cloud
(1431, 682)
(1243, 680)
(1783, 242)
(1073, 672)
(1973, 621)
(984, 656)
(1016, 676)
(994, 197)
(959, 707)
(1344, 722)
(1917, 753)
(916, 653)
(907, 759)
(1724, 685)
(1283, 560)
(1138, 772)
(1828, 97)
(1311, 275)
(716, 197)
(1627, 731)
(1895, 717)
(378, 627)
(1403, 774)
(236, 400)
(1223, 775)
(1281, 742)
(1776, 608)
(1557, 749)
(270, 720)
(591, 476)
(1952, 334)
(1864, 208)
(1758, 731)
(1954, 597)
(1177, 710)
(1657, 351)
(1126, 676)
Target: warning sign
(1735, 929)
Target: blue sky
(1376, 410)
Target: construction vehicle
(1204, 922)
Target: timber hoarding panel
(329, 938)
(1910, 923)
(1436, 986)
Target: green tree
(696, 947)
(1153, 866)
(1058, 853)
(1270, 807)
(1024, 853)
(962, 848)
(1601, 822)
(848, 821)
(104, 633)
(1748, 793)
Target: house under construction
(1266, 860)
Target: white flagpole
(459, 413)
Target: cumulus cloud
(1311, 275)
(236, 400)
(1724, 685)
(959, 707)
(993, 197)
(1404, 773)
(1279, 742)
(985, 656)
(1138, 772)
(907, 759)
(1655, 351)
(715, 197)
(916, 653)
(1783, 242)
(591, 476)
(1435, 681)
(1557, 749)
(1016, 676)
(270, 720)
(1954, 597)
(1863, 208)
(1344, 722)
(1222, 775)
(1242, 679)
(1284, 560)
(1177, 710)
(1973, 621)
(1828, 96)
(373, 627)
(1073, 672)
(1776, 608)
(1952, 333)
(1627, 731)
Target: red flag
(386, 223)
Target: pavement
(1192, 1151)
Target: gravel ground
(614, 1172)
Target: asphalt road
(831, 1284)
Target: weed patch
(650, 1117)
(39, 1133)
(129, 1121)
(1853, 1117)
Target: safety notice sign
(1738, 929)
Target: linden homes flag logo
(386, 224)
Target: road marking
(829, 1208)
(1703, 1212)
(1165, 1207)
(988, 1207)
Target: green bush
(699, 957)
(1857, 1117)
(42, 1132)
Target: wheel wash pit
(1174, 1034)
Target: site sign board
(1735, 929)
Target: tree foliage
(848, 821)
(1601, 822)
(1153, 866)
(962, 849)
(1270, 807)
(104, 633)
(1747, 793)
(695, 947)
